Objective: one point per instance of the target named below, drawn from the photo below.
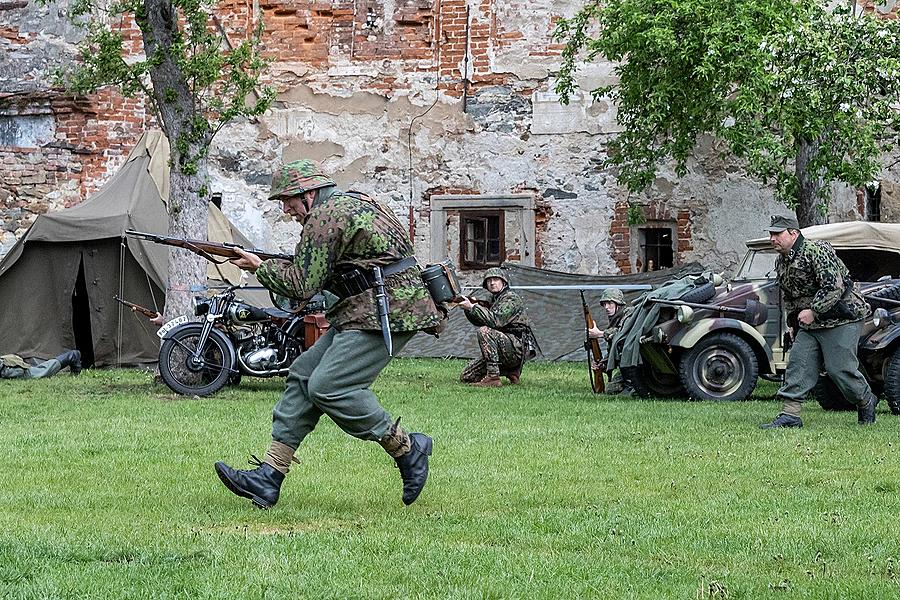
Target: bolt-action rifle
(147, 312)
(206, 249)
(595, 356)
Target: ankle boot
(865, 412)
(410, 451)
(514, 375)
(414, 466)
(262, 484)
(489, 381)
(71, 359)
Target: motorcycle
(234, 338)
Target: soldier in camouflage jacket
(825, 314)
(504, 334)
(617, 310)
(342, 231)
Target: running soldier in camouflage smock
(504, 334)
(613, 302)
(825, 314)
(345, 236)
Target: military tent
(58, 281)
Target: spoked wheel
(189, 376)
(721, 366)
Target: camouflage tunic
(345, 230)
(812, 276)
(507, 313)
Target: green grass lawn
(541, 490)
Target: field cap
(781, 222)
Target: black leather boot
(783, 421)
(414, 466)
(71, 359)
(866, 412)
(262, 484)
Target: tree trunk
(188, 218)
(809, 185)
(176, 109)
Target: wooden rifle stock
(204, 248)
(150, 314)
(598, 385)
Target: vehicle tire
(175, 361)
(700, 294)
(829, 396)
(891, 292)
(892, 381)
(721, 366)
(647, 382)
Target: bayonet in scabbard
(381, 300)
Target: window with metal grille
(657, 248)
(481, 241)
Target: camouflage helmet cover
(297, 177)
(613, 295)
(494, 272)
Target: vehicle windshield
(757, 264)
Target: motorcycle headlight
(882, 317)
(201, 305)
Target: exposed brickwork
(620, 231)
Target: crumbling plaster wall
(408, 98)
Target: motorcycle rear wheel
(178, 369)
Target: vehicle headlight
(201, 305)
(882, 317)
(685, 315)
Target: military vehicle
(714, 343)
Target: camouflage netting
(556, 314)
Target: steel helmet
(297, 177)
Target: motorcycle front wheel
(190, 377)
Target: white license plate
(169, 326)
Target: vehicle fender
(881, 339)
(198, 326)
(688, 338)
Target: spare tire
(890, 292)
(699, 294)
(829, 396)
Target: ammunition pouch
(353, 281)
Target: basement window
(481, 239)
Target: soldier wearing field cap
(354, 247)
(825, 314)
(617, 310)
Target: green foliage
(636, 214)
(191, 82)
(542, 490)
(766, 76)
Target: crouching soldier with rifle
(504, 334)
(613, 302)
(355, 248)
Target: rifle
(206, 249)
(598, 385)
(150, 314)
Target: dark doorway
(81, 320)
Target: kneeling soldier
(613, 302)
(504, 334)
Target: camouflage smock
(345, 230)
(812, 276)
(507, 314)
